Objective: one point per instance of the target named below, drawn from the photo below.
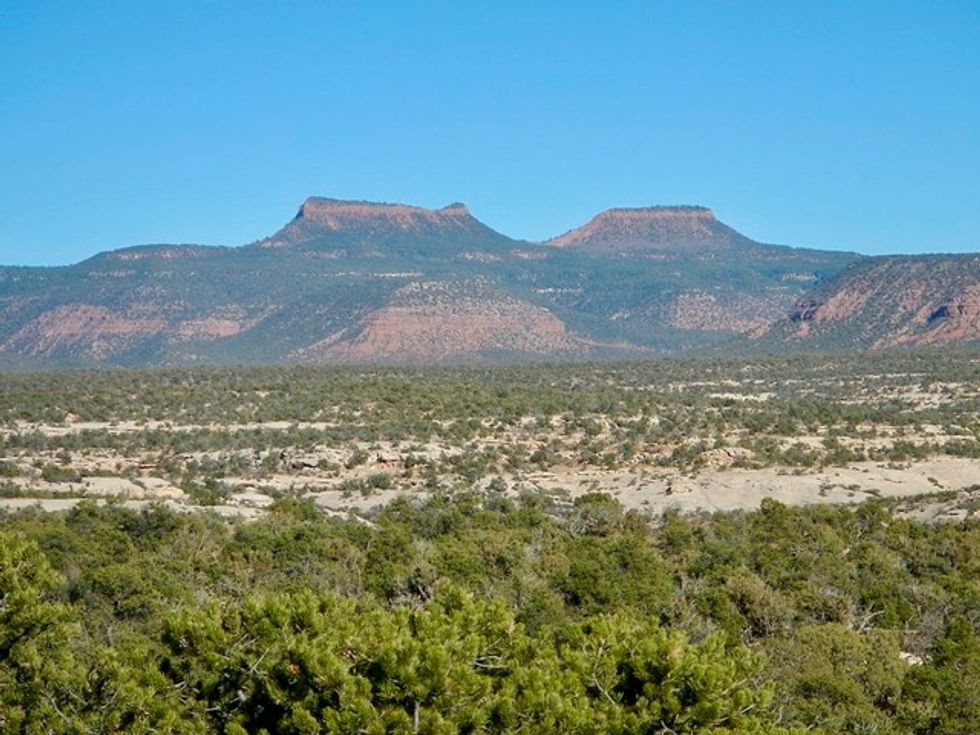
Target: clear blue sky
(850, 125)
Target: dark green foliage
(467, 614)
(833, 675)
(295, 664)
(33, 631)
(944, 697)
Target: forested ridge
(482, 614)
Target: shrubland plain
(697, 545)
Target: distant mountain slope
(335, 228)
(885, 302)
(676, 277)
(431, 321)
(363, 281)
(647, 230)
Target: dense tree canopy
(472, 614)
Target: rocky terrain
(362, 281)
(351, 281)
(447, 319)
(881, 303)
(652, 232)
(346, 230)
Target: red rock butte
(339, 213)
(650, 225)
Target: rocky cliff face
(350, 229)
(655, 230)
(338, 214)
(888, 302)
(434, 321)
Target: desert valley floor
(695, 435)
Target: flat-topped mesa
(649, 228)
(339, 213)
(341, 228)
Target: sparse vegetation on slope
(880, 303)
(336, 280)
